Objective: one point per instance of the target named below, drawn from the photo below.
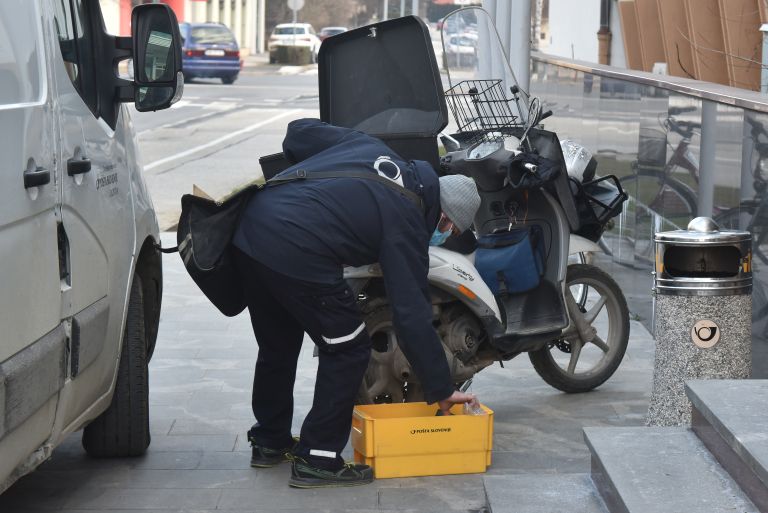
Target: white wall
(110, 9)
(618, 57)
(573, 26)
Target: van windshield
(211, 35)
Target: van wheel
(123, 429)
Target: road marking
(216, 105)
(213, 143)
(189, 119)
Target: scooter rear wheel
(573, 364)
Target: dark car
(327, 32)
(210, 50)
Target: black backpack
(206, 228)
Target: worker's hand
(457, 398)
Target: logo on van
(705, 334)
(106, 180)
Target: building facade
(244, 17)
(716, 41)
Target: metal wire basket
(482, 108)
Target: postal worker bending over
(291, 245)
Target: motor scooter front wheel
(592, 347)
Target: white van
(80, 273)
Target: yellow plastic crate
(407, 439)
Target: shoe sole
(267, 465)
(320, 483)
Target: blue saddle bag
(512, 261)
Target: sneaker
(303, 475)
(266, 457)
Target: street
(202, 369)
(215, 135)
(200, 408)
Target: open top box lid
(383, 79)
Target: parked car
(210, 50)
(293, 34)
(81, 274)
(326, 32)
(461, 50)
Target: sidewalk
(258, 64)
(255, 61)
(200, 382)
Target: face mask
(438, 237)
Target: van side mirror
(158, 79)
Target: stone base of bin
(678, 359)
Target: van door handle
(78, 166)
(36, 177)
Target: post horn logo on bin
(705, 334)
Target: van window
(73, 29)
(20, 74)
(65, 30)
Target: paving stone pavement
(200, 384)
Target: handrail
(727, 95)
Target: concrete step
(542, 493)
(730, 417)
(660, 470)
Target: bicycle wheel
(657, 202)
(752, 216)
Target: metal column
(520, 48)
(747, 187)
(707, 158)
(513, 21)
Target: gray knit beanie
(459, 199)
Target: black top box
(383, 79)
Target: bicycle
(658, 197)
(752, 215)
(756, 208)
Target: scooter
(569, 316)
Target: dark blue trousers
(282, 309)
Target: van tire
(123, 429)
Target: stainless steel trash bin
(703, 313)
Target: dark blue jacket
(310, 229)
